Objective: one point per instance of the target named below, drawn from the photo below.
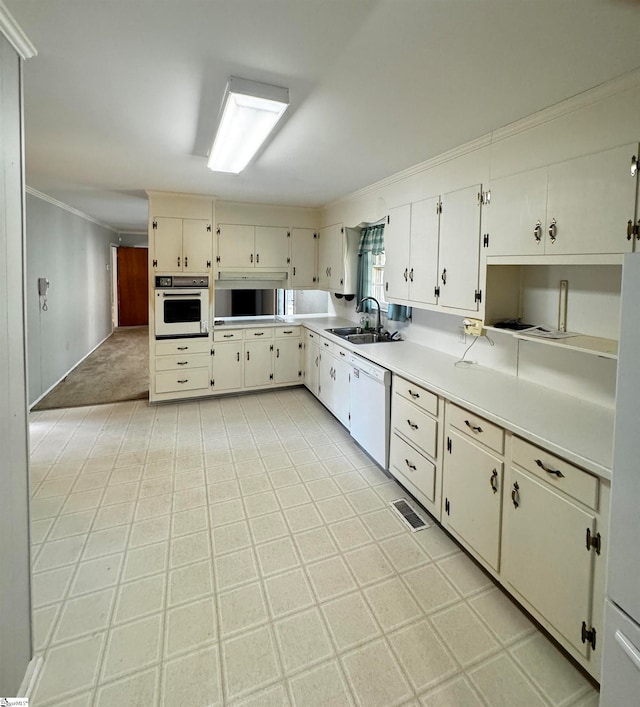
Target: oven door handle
(181, 294)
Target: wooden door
(133, 292)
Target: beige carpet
(117, 370)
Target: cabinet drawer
(476, 427)
(227, 334)
(311, 337)
(182, 346)
(417, 395)
(176, 381)
(414, 424)
(326, 345)
(180, 363)
(408, 464)
(290, 332)
(340, 353)
(254, 334)
(558, 473)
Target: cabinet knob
(553, 231)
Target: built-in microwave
(181, 306)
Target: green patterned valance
(372, 240)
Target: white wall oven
(181, 306)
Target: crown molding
(600, 92)
(70, 209)
(14, 34)
(570, 105)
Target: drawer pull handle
(553, 472)
(258, 333)
(325, 343)
(537, 232)
(494, 481)
(474, 428)
(515, 495)
(227, 336)
(181, 363)
(412, 425)
(342, 353)
(182, 348)
(290, 331)
(411, 466)
(184, 380)
(413, 395)
(553, 230)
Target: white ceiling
(124, 96)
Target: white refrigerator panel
(621, 660)
(624, 556)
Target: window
(377, 280)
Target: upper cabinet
(581, 206)
(243, 247)
(338, 258)
(411, 252)
(459, 254)
(304, 258)
(181, 245)
(432, 251)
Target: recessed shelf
(593, 345)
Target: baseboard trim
(46, 392)
(30, 677)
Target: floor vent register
(409, 515)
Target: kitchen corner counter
(579, 431)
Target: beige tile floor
(241, 551)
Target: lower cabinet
(333, 386)
(287, 361)
(227, 366)
(258, 364)
(181, 369)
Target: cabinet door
(167, 244)
(423, 254)
(235, 246)
(544, 554)
(514, 220)
(592, 199)
(460, 249)
(397, 235)
(336, 257)
(326, 386)
(258, 364)
(304, 246)
(472, 486)
(312, 368)
(324, 256)
(341, 393)
(197, 245)
(272, 247)
(227, 366)
(287, 361)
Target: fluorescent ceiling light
(250, 112)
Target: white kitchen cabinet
(227, 365)
(411, 252)
(287, 360)
(311, 362)
(304, 258)
(514, 221)
(181, 368)
(590, 202)
(397, 249)
(258, 364)
(472, 482)
(245, 247)
(338, 258)
(459, 249)
(580, 206)
(414, 454)
(333, 389)
(181, 245)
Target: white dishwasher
(370, 407)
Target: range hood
(251, 280)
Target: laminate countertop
(579, 431)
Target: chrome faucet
(378, 328)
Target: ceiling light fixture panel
(250, 111)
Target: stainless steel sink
(345, 331)
(357, 335)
